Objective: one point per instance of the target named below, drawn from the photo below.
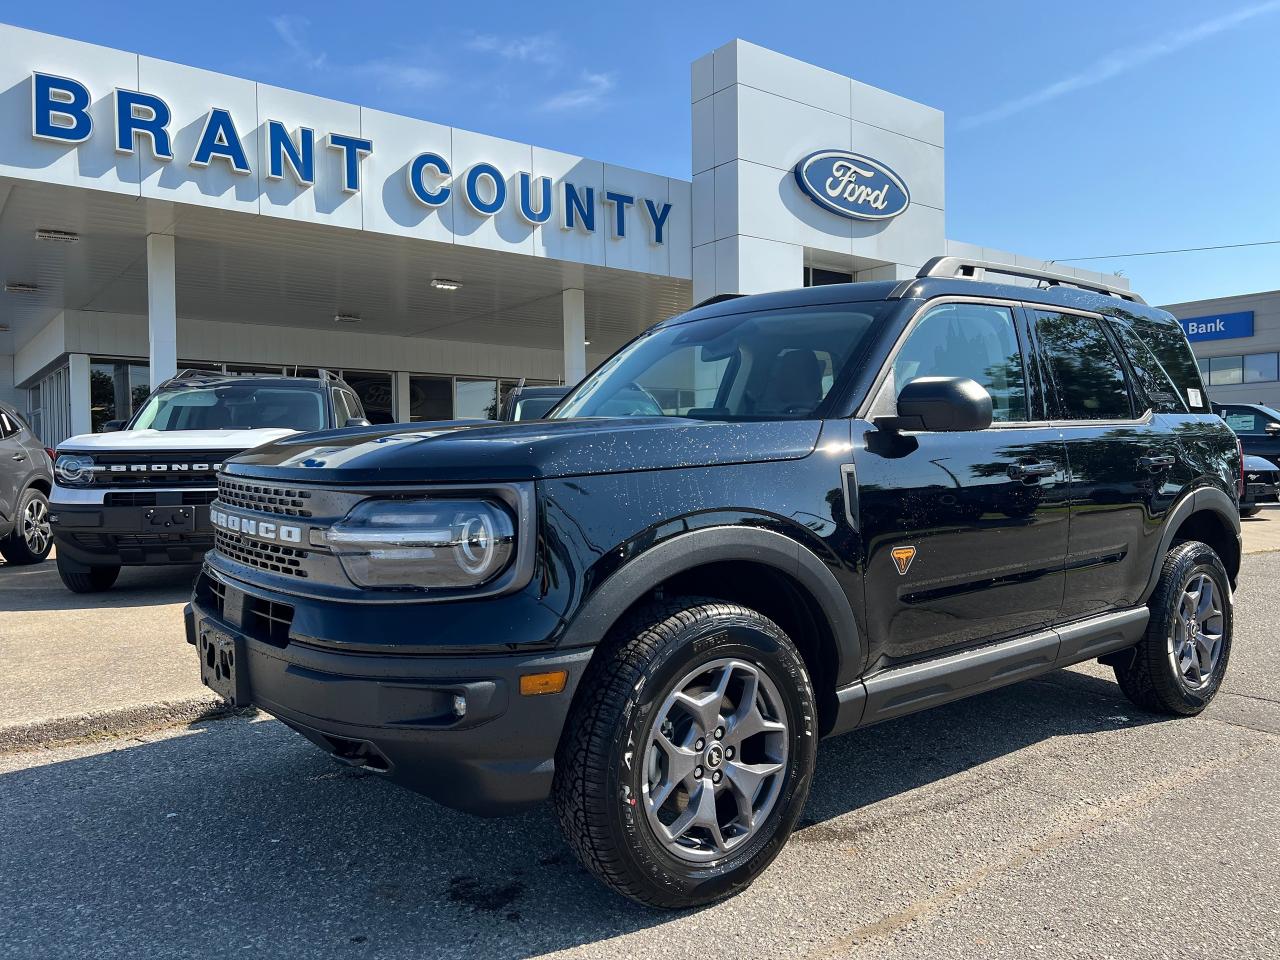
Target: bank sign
(1220, 326)
(852, 185)
(61, 112)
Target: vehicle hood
(152, 441)
(464, 451)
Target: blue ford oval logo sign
(852, 185)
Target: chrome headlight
(74, 469)
(424, 544)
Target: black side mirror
(357, 422)
(113, 426)
(940, 405)
(1272, 428)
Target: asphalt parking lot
(1047, 819)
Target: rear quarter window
(1167, 362)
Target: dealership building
(155, 216)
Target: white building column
(162, 307)
(400, 405)
(575, 335)
(78, 394)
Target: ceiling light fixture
(441, 284)
(57, 236)
(19, 287)
(346, 318)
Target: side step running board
(919, 686)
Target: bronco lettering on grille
(258, 529)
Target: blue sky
(1072, 130)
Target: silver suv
(26, 477)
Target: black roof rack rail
(718, 298)
(963, 268)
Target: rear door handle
(1157, 463)
(1029, 471)
(19, 457)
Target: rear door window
(1168, 344)
(1088, 376)
(1158, 387)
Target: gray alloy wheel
(36, 532)
(715, 761)
(1196, 633)
(1180, 662)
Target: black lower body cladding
(95, 535)
(455, 728)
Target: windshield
(771, 364)
(233, 407)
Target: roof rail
(964, 268)
(718, 298)
(186, 373)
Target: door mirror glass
(941, 405)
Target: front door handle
(1157, 463)
(1031, 471)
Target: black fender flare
(712, 545)
(1200, 499)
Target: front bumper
(161, 532)
(395, 714)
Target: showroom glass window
(430, 398)
(1090, 380)
(117, 388)
(376, 392)
(475, 399)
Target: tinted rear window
(1169, 348)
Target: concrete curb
(58, 731)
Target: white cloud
(292, 29)
(592, 92)
(1121, 61)
(542, 48)
(401, 74)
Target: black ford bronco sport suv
(771, 519)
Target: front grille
(272, 557)
(131, 499)
(183, 476)
(264, 497)
(268, 620)
(216, 595)
(140, 498)
(263, 619)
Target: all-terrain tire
(600, 786)
(95, 580)
(1149, 677)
